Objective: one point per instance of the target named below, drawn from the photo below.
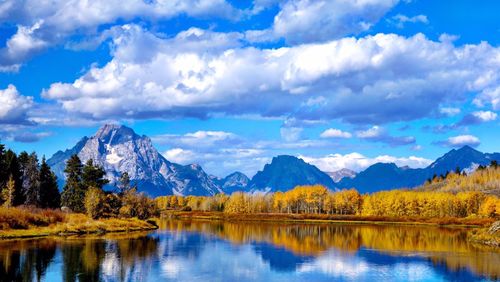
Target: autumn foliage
(453, 196)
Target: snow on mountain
(339, 174)
(119, 149)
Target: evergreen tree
(23, 160)
(3, 175)
(14, 169)
(49, 192)
(124, 183)
(93, 175)
(32, 174)
(73, 194)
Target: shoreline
(93, 227)
(329, 219)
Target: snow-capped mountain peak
(119, 149)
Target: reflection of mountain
(225, 251)
(274, 242)
(280, 259)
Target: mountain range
(385, 176)
(119, 149)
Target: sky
(230, 84)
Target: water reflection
(224, 251)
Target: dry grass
(29, 222)
(24, 218)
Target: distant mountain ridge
(285, 172)
(385, 176)
(119, 149)
(235, 181)
(339, 174)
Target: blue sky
(230, 84)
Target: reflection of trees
(313, 239)
(19, 263)
(83, 258)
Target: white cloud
(41, 24)
(291, 134)
(375, 79)
(205, 139)
(373, 132)
(485, 115)
(301, 21)
(380, 134)
(460, 140)
(181, 156)
(477, 118)
(335, 133)
(13, 106)
(449, 111)
(358, 162)
(400, 20)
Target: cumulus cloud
(14, 107)
(204, 139)
(400, 20)
(460, 141)
(302, 21)
(335, 133)
(477, 118)
(358, 162)
(180, 156)
(374, 79)
(380, 134)
(40, 25)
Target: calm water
(217, 251)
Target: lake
(245, 251)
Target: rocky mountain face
(386, 176)
(236, 181)
(339, 174)
(286, 172)
(119, 149)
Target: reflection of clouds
(216, 260)
(351, 267)
(110, 264)
(171, 267)
(412, 271)
(337, 265)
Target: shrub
(94, 202)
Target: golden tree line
(453, 195)
(317, 199)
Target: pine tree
(93, 175)
(49, 192)
(8, 193)
(23, 160)
(3, 170)
(124, 183)
(32, 174)
(73, 194)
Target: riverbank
(26, 223)
(324, 218)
